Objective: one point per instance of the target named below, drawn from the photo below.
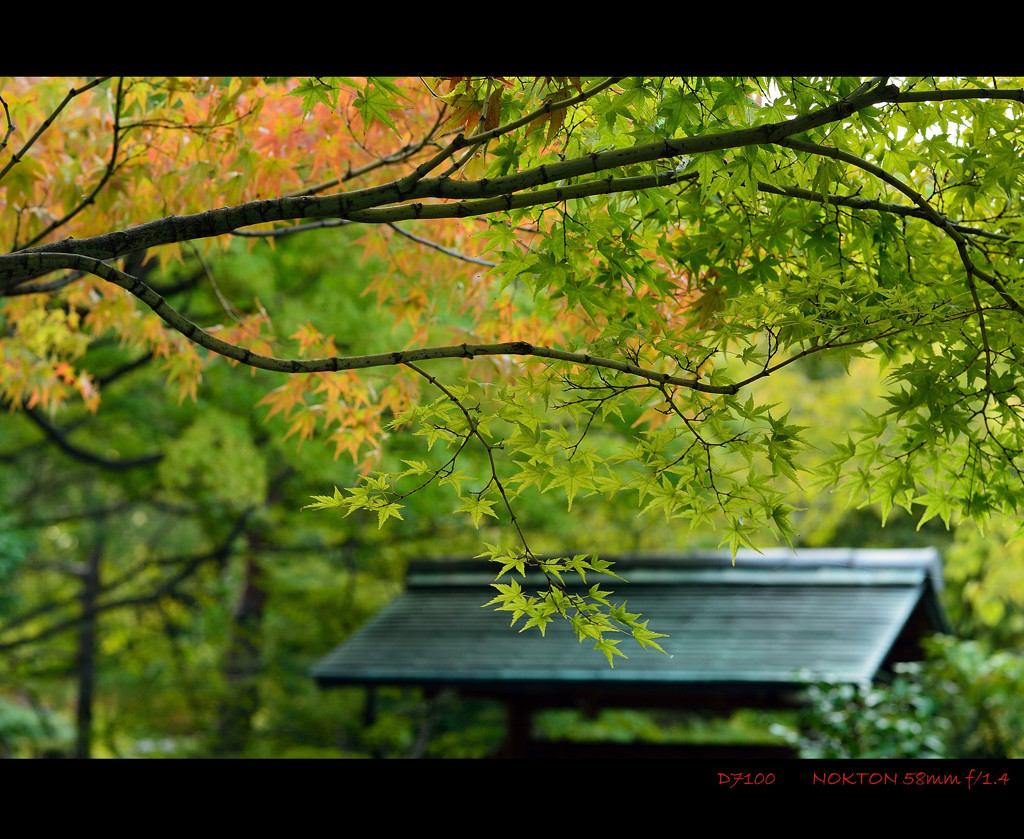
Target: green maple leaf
(477, 508)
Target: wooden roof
(771, 622)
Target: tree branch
(928, 212)
(335, 363)
(16, 267)
(10, 125)
(108, 171)
(855, 203)
(72, 93)
(165, 588)
(62, 442)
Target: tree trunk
(242, 664)
(85, 664)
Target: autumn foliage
(87, 157)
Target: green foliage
(898, 720)
(616, 725)
(442, 726)
(591, 615)
(986, 570)
(216, 458)
(981, 692)
(374, 98)
(32, 731)
(964, 702)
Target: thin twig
(72, 93)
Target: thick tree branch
(487, 195)
(336, 363)
(966, 93)
(503, 192)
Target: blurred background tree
(148, 610)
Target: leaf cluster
(591, 614)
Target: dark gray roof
(772, 619)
